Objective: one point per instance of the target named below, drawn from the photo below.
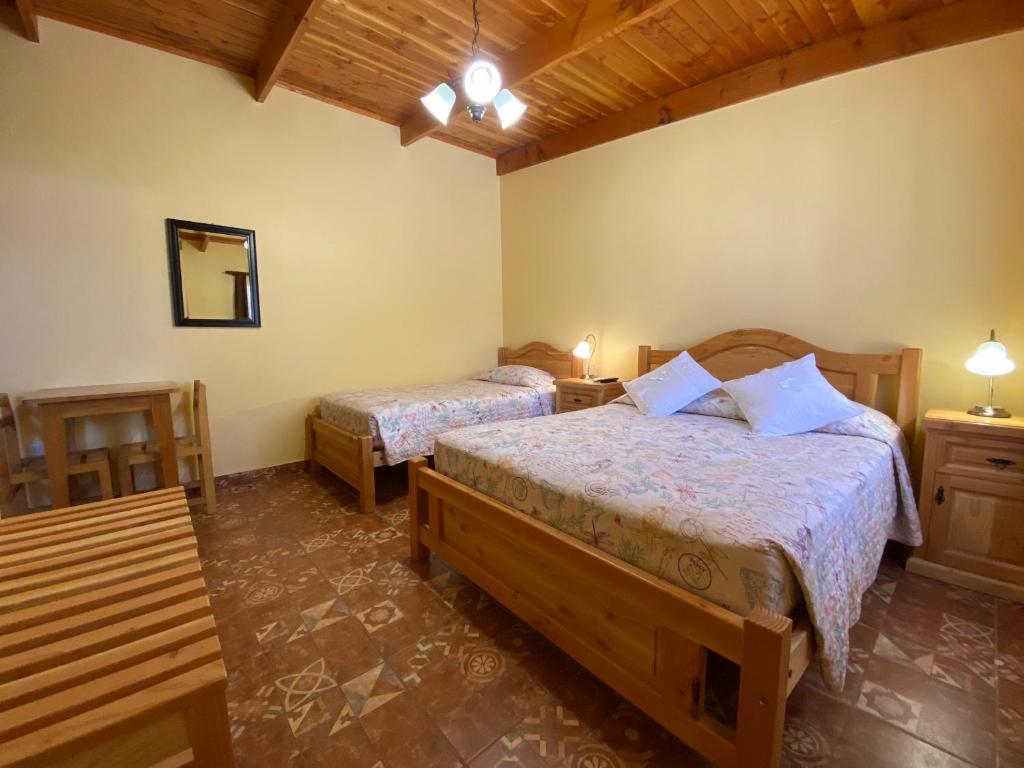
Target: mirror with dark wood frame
(213, 275)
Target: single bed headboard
(739, 353)
(537, 354)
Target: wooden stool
(196, 444)
(108, 648)
(16, 472)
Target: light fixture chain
(476, 29)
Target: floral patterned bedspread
(740, 519)
(405, 421)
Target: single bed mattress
(404, 421)
(701, 501)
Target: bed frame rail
(645, 637)
(350, 457)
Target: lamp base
(991, 411)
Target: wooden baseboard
(973, 581)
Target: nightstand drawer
(574, 399)
(1001, 460)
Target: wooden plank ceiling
(589, 72)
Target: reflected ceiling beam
(287, 33)
(960, 22)
(29, 20)
(597, 21)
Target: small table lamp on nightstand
(585, 351)
(990, 359)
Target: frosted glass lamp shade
(583, 350)
(990, 359)
(439, 102)
(481, 82)
(510, 109)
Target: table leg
(163, 428)
(56, 447)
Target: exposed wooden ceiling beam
(597, 21)
(957, 23)
(290, 28)
(29, 20)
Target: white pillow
(519, 376)
(790, 399)
(665, 390)
(717, 402)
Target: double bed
(353, 432)
(644, 547)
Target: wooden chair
(196, 444)
(16, 472)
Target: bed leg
(417, 510)
(763, 677)
(368, 485)
(314, 465)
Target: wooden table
(108, 648)
(58, 405)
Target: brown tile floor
(342, 654)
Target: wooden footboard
(351, 457)
(643, 636)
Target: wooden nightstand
(577, 394)
(972, 503)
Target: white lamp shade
(990, 359)
(583, 350)
(482, 82)
(439, 102)
(510, 109)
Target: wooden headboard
(739, 353)
(537, 354)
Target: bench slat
(71, 734)
(120, 521)
(86, 584)
(67, 703)
(123, 560)
(37, 520)
(112, 664)
(61, 627)
(79, 645)
(91, 548)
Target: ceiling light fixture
(482, 86)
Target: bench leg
(209, 730)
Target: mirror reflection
(213, 274)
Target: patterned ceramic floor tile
(341, 652)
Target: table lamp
(585, 351)
(990, 359)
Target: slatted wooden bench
(108, 649)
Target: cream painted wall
(864, 212)
(377, 264)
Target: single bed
(641, 545)
(353, 432)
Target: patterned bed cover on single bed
(703, 502)
(405, 421)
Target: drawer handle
(577, 400)
(940, 495)
(1001, 463)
